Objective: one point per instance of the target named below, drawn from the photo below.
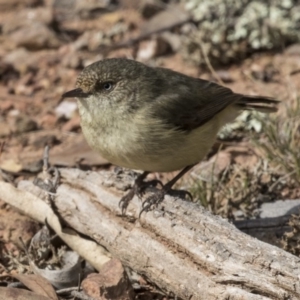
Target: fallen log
(181, 248)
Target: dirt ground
(43, 47)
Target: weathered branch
(183, 248)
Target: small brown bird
(154, 119)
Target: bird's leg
(138, 189)
(158, 196)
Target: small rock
(13, 113)
(279, 208)
(153, 48)
(66, 109)
(111, 283)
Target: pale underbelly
(160, 155)
(153, 147)
(169, 163)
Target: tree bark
(182, 248)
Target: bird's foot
(126, 199)
(153, 200)
(139, 189)
(143, 186)
(158, 196)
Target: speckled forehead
(111, 69)
(86, 80)
(90, 75)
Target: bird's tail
(259, 103)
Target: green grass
(281, 140)
(237, 188)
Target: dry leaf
(10, 165)
(20, 294)
(38, 284)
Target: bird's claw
(153, 200)
(138, 189)
(125, 200)
(158, 196)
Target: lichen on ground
(229, 30)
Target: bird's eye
(107, 86)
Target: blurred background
(250, 46)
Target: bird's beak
(75, 93)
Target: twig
(140, 38)
(209, 65)
(280, 179)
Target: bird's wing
(193, 103)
